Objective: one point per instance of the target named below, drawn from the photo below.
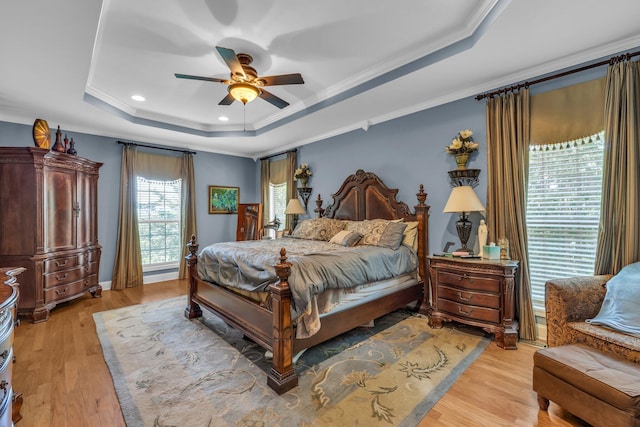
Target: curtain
(507, 168)
(127, 265)
(619, 235)
(292, 191)
(265, 173)
(189, 226)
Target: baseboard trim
(147, 279)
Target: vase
(302, 182)
(461, 160)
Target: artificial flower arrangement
(303, 172)
(462, 143)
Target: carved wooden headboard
(364, 196)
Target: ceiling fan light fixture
(243, 92)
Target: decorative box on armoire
(49, 225)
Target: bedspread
(315, 266)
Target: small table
(477, 292)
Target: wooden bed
(362, 196)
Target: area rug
(172, 371)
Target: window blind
(563, 210)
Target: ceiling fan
(244, 83)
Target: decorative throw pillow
(392, 235)
(411, 235)
(619, 309)
(346, 238)
(318, 229)
(371, 230)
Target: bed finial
(319, 210)
(422, 196)
(193, 245)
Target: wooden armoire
(49, 225)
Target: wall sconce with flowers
(461, 146)
(302, 175)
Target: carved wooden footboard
(362, 196)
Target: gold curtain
(265, 174)
(292, 191)
(189, 225)
(507, 172)
(568, 113)
(619, 235)
(127, 265)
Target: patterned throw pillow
(318, 229)
(371, 230)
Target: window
(159, 223)
(563, 211)
(277, 202)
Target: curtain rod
(612, 60)
(157, 148)
(278, 154)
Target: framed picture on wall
(223, 200)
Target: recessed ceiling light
(223, 118)
(138, 98)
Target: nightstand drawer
(464, 296)
(473, 312)
(469, 281)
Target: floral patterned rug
(172, 371)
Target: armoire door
(59, 209)
(249, 221)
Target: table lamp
(294, 208)
(463, 200)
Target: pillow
(392, 235)
(371, 230)
(346, 238)
(619, 309)
(411, 235)
(318, 229)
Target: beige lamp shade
(463, 199)
(294, 207)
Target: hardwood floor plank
(65, 381)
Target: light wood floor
(65, 382)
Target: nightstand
(477, 292)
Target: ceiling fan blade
(231, 59)
(206, 79)
(283, 79)
(271, 98)
(227, 100)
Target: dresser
(10, 402)
(48, 206)
(475, 292)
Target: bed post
(193, 309)
(422, 213)
(282, 377)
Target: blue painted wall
(210, 169)
(404, 152)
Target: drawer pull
(465, 276)
(62, 263)
(64, 276)
(61, 292)
(466, 313)
(461, 298)
(4, 355)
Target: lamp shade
(243, 92)
(294, 207)
(463, 199)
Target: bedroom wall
(404, 152)
(210, 169)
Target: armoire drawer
(63, 263)
(63, 292)
(63, 277)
